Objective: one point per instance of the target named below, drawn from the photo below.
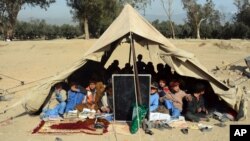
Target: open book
(159, 116)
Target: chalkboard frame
(114, 93)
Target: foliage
(102, 13)
(243, 14)
(198, 14)
(9, 10)
(97, 13)
(39, 29)
(138, 4)
(227, 31)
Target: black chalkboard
(124, 94)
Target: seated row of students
(78, 98)
(172, 98)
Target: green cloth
(142, 111)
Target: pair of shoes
(205, 129)
(58, 139)
(149, 132)
(184, 130)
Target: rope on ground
(7, 91)
(12, 78)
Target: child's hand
(188, 98)
(88, 89)
(199, 110)
(205, 110)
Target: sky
(59, 12)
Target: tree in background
(168, 8)
(92, 13)
(11, 9)
(138, 4)
(243, 14)
(182, 31)
(197, 13)
(213, 20)
(39, 30)
(2, 16)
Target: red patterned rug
(72, 126)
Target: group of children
(77, 98)
(101, 100)
(167, 96)
(172, 98)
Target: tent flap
(38, 95)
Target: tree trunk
(198, 29)
(172, 28)
(12, 10)
(1, 27)
(169, 13)
(86, 28)
(9, 33)
(198, 33)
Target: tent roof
(129, 21)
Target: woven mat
(48, 127)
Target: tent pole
(129, 59)
(135, 71)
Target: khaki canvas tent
(160, 49)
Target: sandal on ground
(149, 132)
(205, 129)
(184, 130)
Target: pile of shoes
(219, 116)
(161, 125)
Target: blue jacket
(154, 102)
(74, 98)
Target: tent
(160, 49)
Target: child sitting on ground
(56, 105)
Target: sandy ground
(33, 60)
